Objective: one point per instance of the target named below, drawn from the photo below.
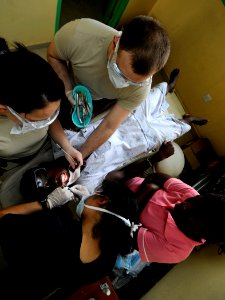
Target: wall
(136, 7)
(197, 32)
(28, 21)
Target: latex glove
(70, 98)
(74, 175)
(80, 190)
(59, 197)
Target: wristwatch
(149, 169)
(44, 204)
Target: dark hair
(114, 232)
(148, 42)
(28, 82)
(202, 217)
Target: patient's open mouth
(62, 178)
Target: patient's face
(39, 182)
(58, 177)
(51, 178)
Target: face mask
(117, 81)
(81, 204)
(28, 126)
(117, 78)
(127, 222)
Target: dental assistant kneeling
(48, 250)
(30, 97)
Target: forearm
(130, 171)
(137, 167)
(58, 135)
(96, 139)
(103, 132)
(144, 193)
(22, 209)
(56, 198)
(157, 178)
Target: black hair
(114, 232)
(28, 81)
(148, 42)
(202, 217)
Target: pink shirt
(159, 239)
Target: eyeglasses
(115, 69)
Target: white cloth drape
(145, 129)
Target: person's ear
(115, 41)
(112, 45)
(2, 106)
(102, 201)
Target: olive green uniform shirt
(14, 146)
(84, 44)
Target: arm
(60, 66)
(103, 132)
(156, 178)
(159, 179)
(182, 189)
(57, 133)
(144, 193)
(137, 167)
(22, 209)
(58, 197)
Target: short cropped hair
(28, 81)
(148, 42)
